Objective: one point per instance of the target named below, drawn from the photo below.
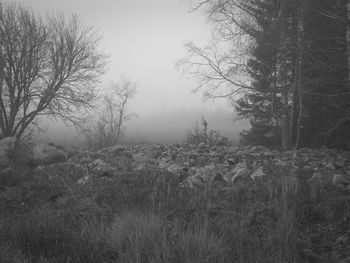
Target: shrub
(200, 134)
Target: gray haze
(158, 128)
(144, 39)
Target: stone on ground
(44, 153)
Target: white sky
(144, 39)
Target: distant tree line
(285, 67)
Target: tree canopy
(286, 68)
(48, 66)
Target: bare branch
(105, 126)
(198, 6)
(48, 67)
(218, 73)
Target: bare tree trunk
(274, 110)
(300, 104)
(300, 32)
(297, 107)
(2, 109)
(348, 41)
(295, 64)
(120, 123)
(285, 121)
(285, 124)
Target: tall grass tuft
(141, 238)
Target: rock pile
(14, 152)
(201, 163)
(196, 164)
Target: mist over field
(158, 167)
(161, 127)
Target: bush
(200, 134)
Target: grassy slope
(147, 216)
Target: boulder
(48, 153)
(116, 150)
(259, 172)
(342, 181)
(200, 175)
(101, 168)
(240, 170)
(173, 168)
(84, 180)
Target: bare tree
(107, 125)
(220, 68)
(48, 67)
(219, 74)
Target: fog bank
(165, 127)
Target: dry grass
(148, 217)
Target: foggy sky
(144, 39)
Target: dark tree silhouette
(292, 74)
(47, 67)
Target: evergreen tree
(270, 67)
(325, 74)
(297, 92)
(260, 104)
(299, 74)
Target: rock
(201, 145)
(101, 168)
(141, 157)
(240, 170)
(232, 161)
(116, 150)
(174, 168)
(84, 180)
(199, 175)
(192, 180)
(257, 173)
(140, 167)
(341, 180)
(143, 160)
(86, 160)
(207, 173)
(229, 163)
(48, 153)
(219, 178)
(74, 159)
(342, 240)
(163, 163)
